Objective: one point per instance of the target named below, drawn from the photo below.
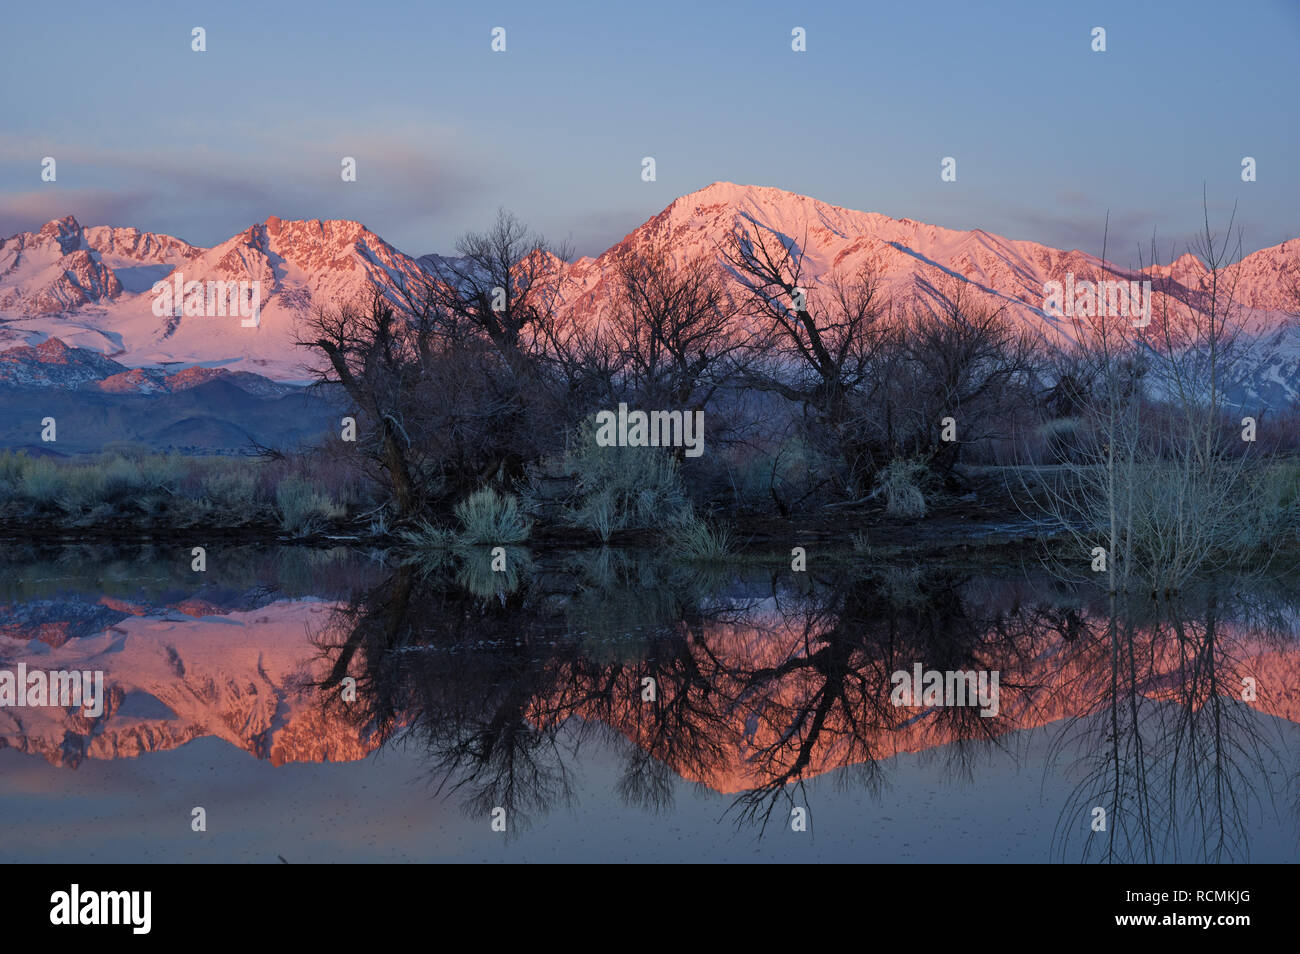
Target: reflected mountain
(1170, 720)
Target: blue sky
(1048, 135)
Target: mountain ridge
(91, 286)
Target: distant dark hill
(200, 432)
(216, 416)
(216, 397)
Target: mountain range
(241, 669)
(91, 288)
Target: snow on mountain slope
(91, 287)
(190, 669)
(1004, 272)
(64, 266)
(53, 364)
(835, 239)
(179, 676)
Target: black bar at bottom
(347, 904)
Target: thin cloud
(205, 195)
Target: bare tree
(449, 371)
(1161, 480)
(368, 352)
(961, 357)
(819, 347)
(505, 286)
(674, 325)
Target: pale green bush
(303, 509)
(618, 488)
(490, 518)
(900, 483)
(42, 481)
(696, 541)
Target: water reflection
(1171, 718)
(752, 687)
(1171, 742)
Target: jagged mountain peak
(66, 231)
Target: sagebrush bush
(427, 536)
(11, 473)
(1058, 439)
(42, 483)
(788, 471)
(618, 488)
(230, 491)
(598, 513)
(487, 517)
(83, 487)
(304, 509)
(699, 542)
(900, 483)
(1275, 488)
(159, 472)
(115, 480)
(129, 483)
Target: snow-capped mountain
(62, 267)
(244, 673)
(92, 287)
(179, 674)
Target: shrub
(698, 542)
(230, 491)
(900, 483)
(787, 472)
(303, 509)
(157, 472)
(114, 480)
(618, 488)
(130, 483)
(1059, 439)
(12, 466)
(1274, 519)
(426, 536)
(42, 481)
(597, 513)
(491, 518)
(83, 487)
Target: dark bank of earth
(976, 512)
